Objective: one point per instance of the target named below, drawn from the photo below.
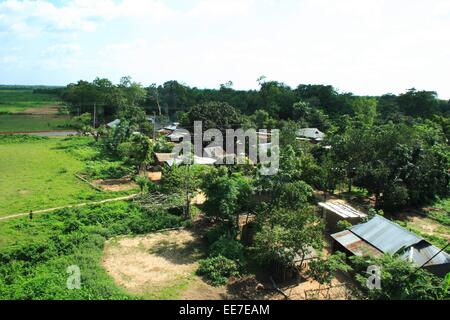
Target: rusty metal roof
(380, 235)
(355, 245)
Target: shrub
(37, 269)
(142, 182)
(217, 269)
(107, 170)
(343, 225)
(229, 248)
(20, 138)
(215, 233)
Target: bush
(229, 248)
(107, 170)
(35, 267)
(218, 269)
(20, 138)
(215, 233)
(343, 225)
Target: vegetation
(39, 173)
(324, 270)
(30, 123)
(35, 254)
(218, 269)
(394, 149)
(401, 279)
(13, 100)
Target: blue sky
(362, 46)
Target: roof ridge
(400, 227)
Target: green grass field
(29, 123)
(39, 174)
(13, 101)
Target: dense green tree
(227, 195)
(324, 270)
(310, 117)
(137, 150)
(418, 103)
(287, 236)
(215, 115)
(400, 280)
(399, 164)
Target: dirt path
(69, 206)
(45, 110)
(52, 133)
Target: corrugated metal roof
(385, 235)
(380, 235)
(114, 123)
(312, 133)
(424, 251)
(342, 209)
(161, 157)
(355, 245)
(197, 160)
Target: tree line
(394, 146)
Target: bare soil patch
(47, 110)
(162, 266)
(425, 225)
(159, 266)
(115, 184)
(154, 176)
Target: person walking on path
(31, 215)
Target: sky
(368, 47)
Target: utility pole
(187, 185)
(154, 126)
(95, 111)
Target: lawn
(29, 123)
(13, 101)
(39, 174)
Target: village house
(310, 134)
(381, 236)
(336, 210)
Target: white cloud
(62, 49)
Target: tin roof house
(381, 236)
(311, 134)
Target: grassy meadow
(23, 110)
(29, 123)
(38, 173)
(19, 100)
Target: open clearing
(124, 184)
(162, 266)
(159, 266)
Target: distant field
(23, 110)
(24, 123)
(40, 174)
(14, 101)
